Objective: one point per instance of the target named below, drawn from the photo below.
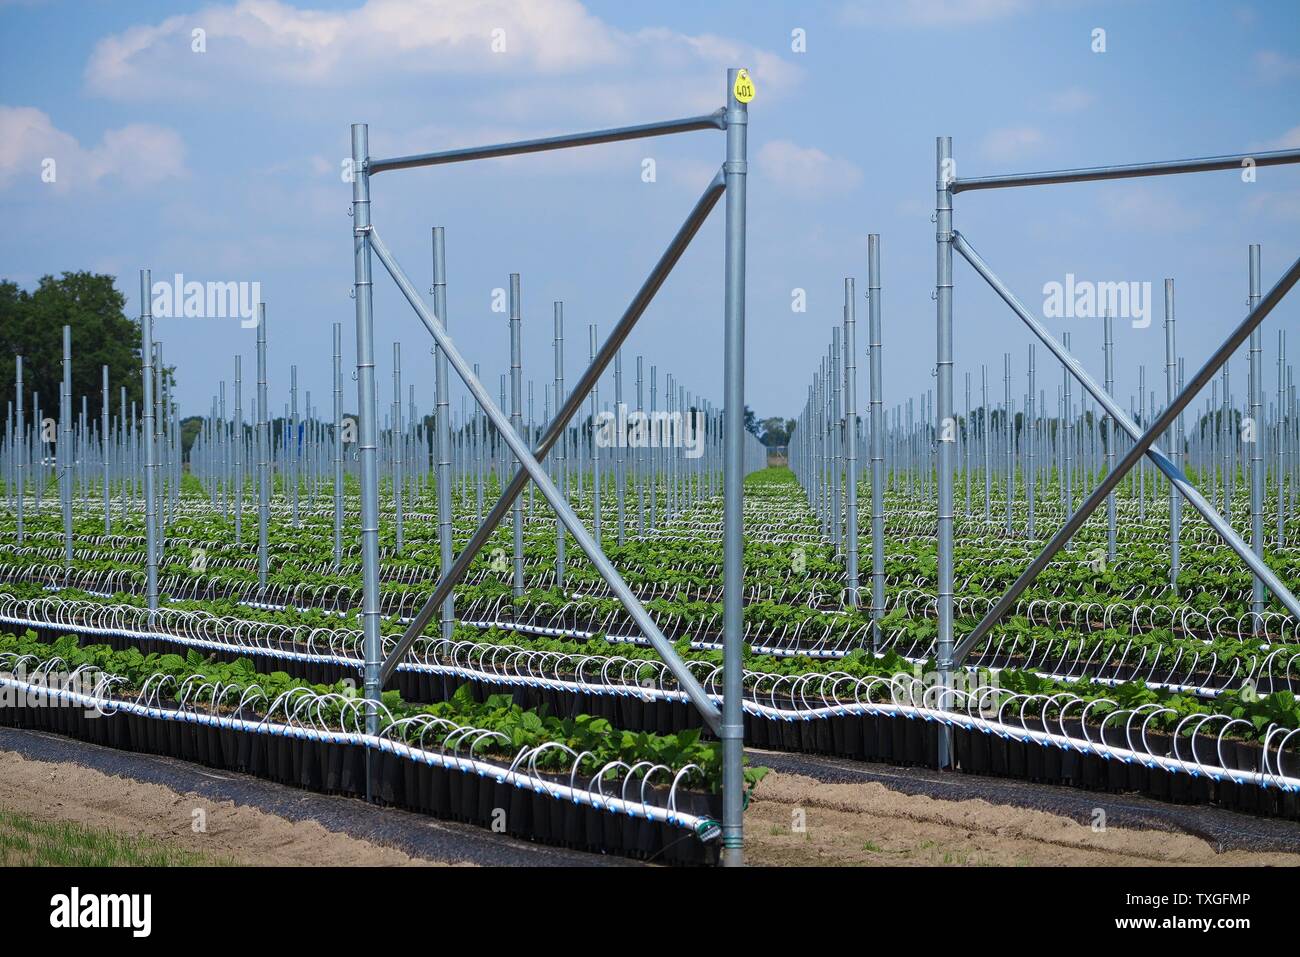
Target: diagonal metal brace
(531, 468)
(1171, 471)
(1131, 458)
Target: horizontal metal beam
(711, 121)
(1090, 174)
(1171, 471)
(1163, 422)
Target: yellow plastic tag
(744, 87)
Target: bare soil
(65, 792)
(797, 821)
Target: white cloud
(267, 41)
(1071, 100)
(1290, 140)
(930, 13)
(1273, 67)
(1283, 206)
(805, 170)
(1139, 209)
(1011, 143)
(137, 154)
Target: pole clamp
(738, 167)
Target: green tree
(776, 431)
(31, 326)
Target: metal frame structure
(948, 238)
(726, 722)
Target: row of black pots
(900, 741)
(336, 768)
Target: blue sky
(224, 165)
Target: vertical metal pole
(877, 441)
(851, 438)
(1282, 434)
(21, 449)
(1031, 428)
(987, 442)
(263, 452)
(595, 447)
(442, 424)
(1009, 425)
(732, 731)
(943, 412)
(397, 434)
(1112, 516)
(1175, 438)
(1142, 467)
(560, 482)
(367, 407)
(291, 450)
(239, 451)
(338, 445)
(103, 438)
(517, 423)
(1258, 597)
(620, 466)
(64, 447)
(150, 463)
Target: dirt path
(61, 791)
(869, 824)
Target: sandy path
(868, 824)
(68, 792)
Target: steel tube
(731, 731)
(943, 415)
(1090, 174)
(711, 121)
(367, 431)
(877, 441)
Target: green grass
(26, 841)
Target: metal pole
(595, 447)
(731, 731)
(943, 413)
(1091, 174)
(560, 466)
(517, 423)
(64, 447)
(620, 466)
(368, 432)
(1112, 515)
(239, 451)
(443, 426)
(851, 439)
(877, 441)
(1256, 436)
(397, 436)
(21, 449)
(264, 452)
(150, 451)
(103, 437)
(338, 445)
(1175, 439)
